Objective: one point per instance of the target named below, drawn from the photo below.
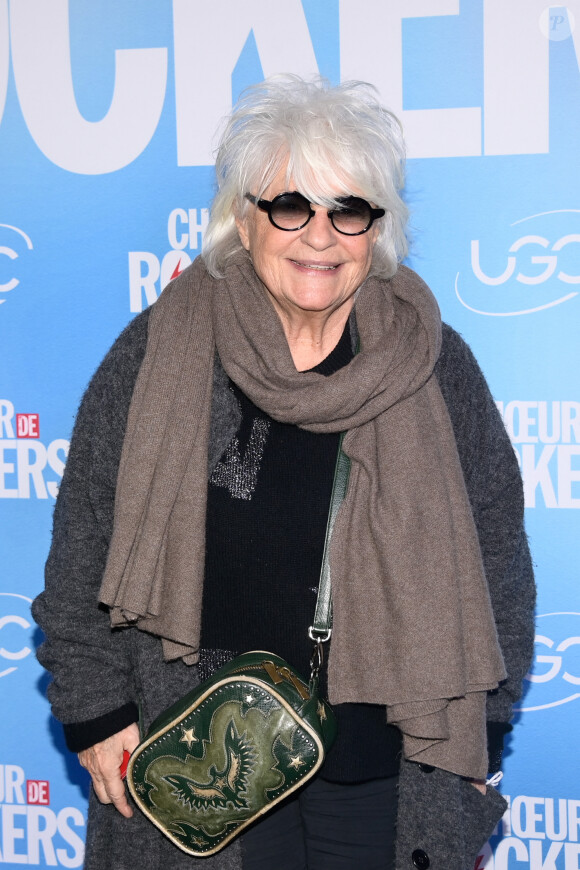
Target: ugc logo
(14, 242)
(16, 629)
(555, 673)
(534, 266)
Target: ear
(242, 226)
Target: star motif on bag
(188, 737)
(296, 762)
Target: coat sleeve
(92, 689)
(494, 486)
(443, 821)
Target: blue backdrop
(107, 119)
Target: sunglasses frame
(267, 205)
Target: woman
(191, 518)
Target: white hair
(336, 140)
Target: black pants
(328, 826)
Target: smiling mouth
(317, 266)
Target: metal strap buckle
(319, 635)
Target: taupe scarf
(413, 627)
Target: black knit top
(268, 501)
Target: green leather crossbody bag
(243, 740)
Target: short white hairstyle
(336, 140)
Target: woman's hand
(103, 762)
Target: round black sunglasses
(292, 211)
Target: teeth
(320, 268)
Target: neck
(313, 336)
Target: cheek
(371, 239)
(265, 265)
(265, 247)
(370, 249)
(255, 239)
(363, 256)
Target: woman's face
(314, 270)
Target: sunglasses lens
(292, 211)
(352, 216)
(289, 211)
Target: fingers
(103, 762)
(115, 788)
(131, 737)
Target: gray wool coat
(442, 820)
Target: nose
(319, 232)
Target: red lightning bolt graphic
(177, 271)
